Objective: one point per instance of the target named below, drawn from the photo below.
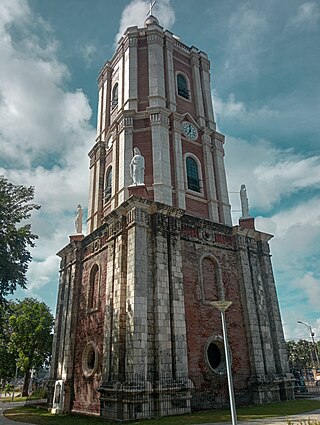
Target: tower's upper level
(153, 68)
(155, 97)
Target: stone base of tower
(138, 399)
(274, 391)
(138, 334)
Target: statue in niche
(244, 201)
(57, 393)
(78, 222)
(137, 168)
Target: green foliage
(300, 354)
(30, 326)
(15, 236)
(7, 359)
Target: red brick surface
(90, 328)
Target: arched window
(93, 294)
(108, 185)
(183, 87)
(193, 179)
(115, 96)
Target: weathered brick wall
(90, 328)
(203, 321)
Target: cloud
(235, 109)
(135, 13)
(39, 117)
(306, 18)
(88, 52)
(246, 29)
(271, 174)
(41, 273)
(45, 134)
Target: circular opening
(215, 355)
(89, 359)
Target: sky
(265, 64)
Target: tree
(15, 236)
(300, 354)
(30, 326)
(7, 360)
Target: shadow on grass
(293, 407)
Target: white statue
(137, 168)
(244, 201)
(78, 222)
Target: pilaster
(213, 204)
(170, 75)
(125, 145)
(137, 292)
(197, 87)
(205, 79)
(180, 194)
(276, 330)
(130, 100)
(249, 307)
(159, 122)
(221, 180)
(104, 82)
(156, 69)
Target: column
(276, 330)
(180, 193)
(125, 143)
(130, 85)
(137, 293)
(221, 181)
(248, 301)
(156, 69)
(205, 79)
(197, 93)
(170, 82)
(159, 122)
(105, 118)
(213, 204)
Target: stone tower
(135, 332)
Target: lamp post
(15, 380)
(222, 306)
(313, 341)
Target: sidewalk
(5, 406)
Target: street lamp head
(221, 305)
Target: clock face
(189, 130)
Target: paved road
(5, 406)
(270, 421)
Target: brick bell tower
(135, 332)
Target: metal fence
(134, 397)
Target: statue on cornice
(244, 201)
(137, 168)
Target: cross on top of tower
(152, 3)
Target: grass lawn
(293, 407)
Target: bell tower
(154, 94)
(135, 333)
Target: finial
(151, 20)
(152, 3)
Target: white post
(222, 307)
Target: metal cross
(152, 3)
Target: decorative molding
(155, 38)
(159, 118)
(137, 216)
